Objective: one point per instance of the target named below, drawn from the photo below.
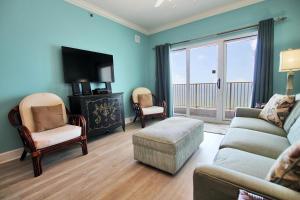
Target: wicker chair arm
(25, 134)
(78, 120)
(162, 103)
(14, 117)
(137, 108)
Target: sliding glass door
(211, 79)
(203, 79)
(239, 65)
(194, 75)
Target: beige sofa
(246, 155)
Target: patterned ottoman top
(170, 130)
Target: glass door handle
(219, 83)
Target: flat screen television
(87, 66)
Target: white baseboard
(129, 120)
(16, 153)
(10, 155)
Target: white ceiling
(143, 16)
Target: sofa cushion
(257, 125)
(293, 116)
(55, 136)
(277, 109)
(294, 133)
(255, 142)
(245, 162)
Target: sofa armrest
(247, 112)
(215, 182)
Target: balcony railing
(204, 95)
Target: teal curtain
(163, 76)
(263, 69)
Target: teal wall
(31, 34)
(32, 31)
(287, 34)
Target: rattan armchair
(40, 143)
(159, 109)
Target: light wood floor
(107, 172)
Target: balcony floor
(203, 112)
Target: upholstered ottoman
(168, 144)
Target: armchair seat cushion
(55, 136)
(153, 110)
(257, 125)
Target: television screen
(81, 66)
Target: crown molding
(219, 10)
(209, 13)
(99, 11)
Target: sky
(204, 61)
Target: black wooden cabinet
(103, 113)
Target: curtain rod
(276, 19)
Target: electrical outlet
(137, 39)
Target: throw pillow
(244, 195)
(145, 100)
(277, 109)
(47, 117)
(286, 169)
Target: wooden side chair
(40, 143)
(153, 109)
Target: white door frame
(220, 91)
(188, 81)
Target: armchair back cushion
(47, 117)
(136, 92)
(38, 99)
(145, 100)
